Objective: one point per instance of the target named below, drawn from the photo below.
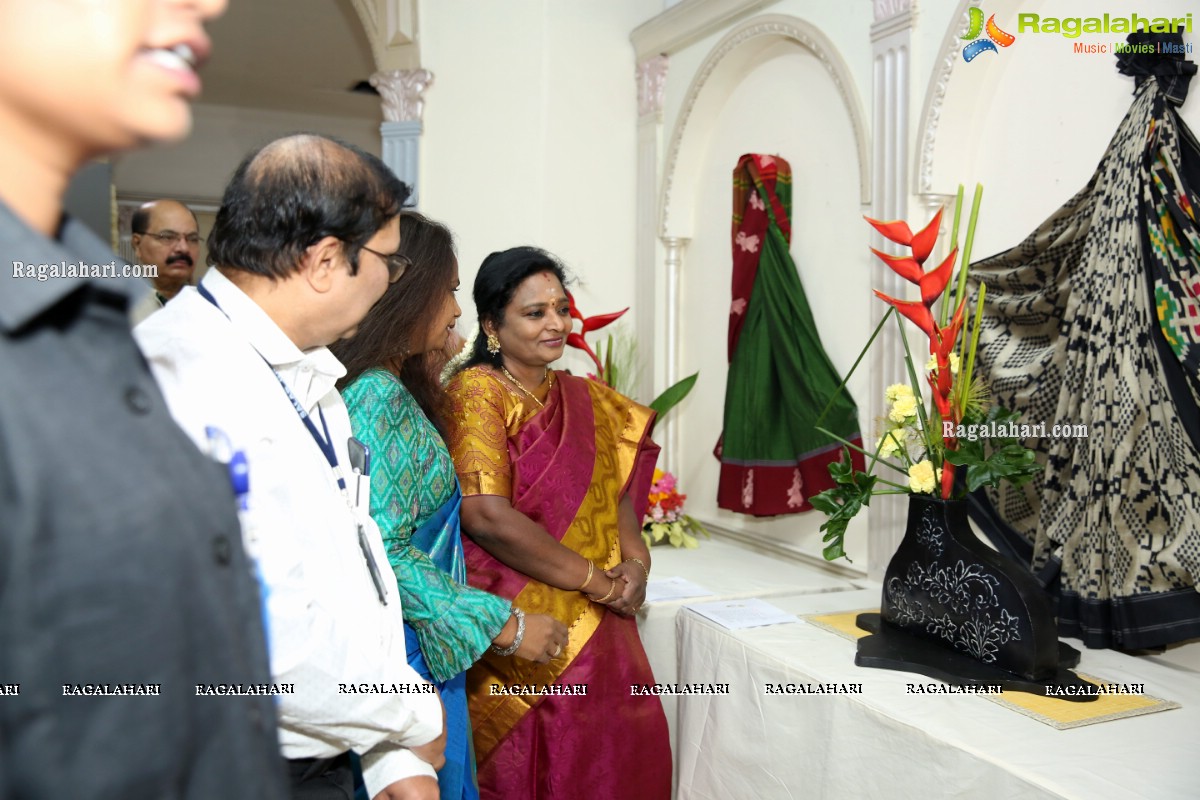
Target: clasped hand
(631, 590)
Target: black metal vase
(956, 610)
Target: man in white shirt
(303, 245)
(164, 234)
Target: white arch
(714, 81)
(368, 16)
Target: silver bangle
(516, 642)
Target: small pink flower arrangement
(665, 520)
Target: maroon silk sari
(566, 467)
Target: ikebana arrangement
(951, 607)
(919, 439)
(664, 522)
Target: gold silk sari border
(635, 431)
(592, 534)
(478, 445)
(476, 483)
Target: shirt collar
(22, 299)
(309, 374)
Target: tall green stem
(958, 201)
(968, 368)
(960, 294)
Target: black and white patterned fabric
(1071, 335)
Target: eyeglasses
(171, 237)
(397, 263)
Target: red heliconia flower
(934, 282)
(947, 476)
(589, 324)
(577, 341)
(573, 310)
(602, 320)
(904, 266)
(592, 323)
(922, 242)
(919, 313)
(932, 285)
(897, 231)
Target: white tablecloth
(885, 743)
(730, 571)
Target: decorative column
(651, 85)
(401, 91)
(668, 438)
(891, 49)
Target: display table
(887, 743)
(730, 571)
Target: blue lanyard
(325, 443)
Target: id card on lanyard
(325, 444)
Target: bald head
(294, 192)
(166, 234)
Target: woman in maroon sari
(555, 472)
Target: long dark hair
(496, 283)
(400, 321)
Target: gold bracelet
(611, 589)
(588, 579)
(641, 564)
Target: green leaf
(842, 503)
(834, 551)
(672, 396)
(1008, 459)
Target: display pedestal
(955, 610)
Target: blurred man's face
(355, 294)
(92, 76)
(172, 242)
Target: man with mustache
(167, 236)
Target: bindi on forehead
(542, 289)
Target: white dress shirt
(326, 625)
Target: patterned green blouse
(412, 475)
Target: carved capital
(885, 9)
(401, 91)
(652, 84)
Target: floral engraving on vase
(930, 535)
(969, 593)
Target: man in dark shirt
(120, 593)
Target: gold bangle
(641, 564)
(588, 579)
(611, 589)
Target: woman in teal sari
(396, 408)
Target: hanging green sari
(780, 379)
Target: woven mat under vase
(1057, 713)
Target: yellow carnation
(922, 478)
(890, 442)
(903, 408)
(898, 390)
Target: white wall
(780, 101)
(1031, 122)
(530, 136)
(200, 166)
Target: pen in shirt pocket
(221, 450)
(360, 465)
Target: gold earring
(493, 344)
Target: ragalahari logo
(995, 36)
